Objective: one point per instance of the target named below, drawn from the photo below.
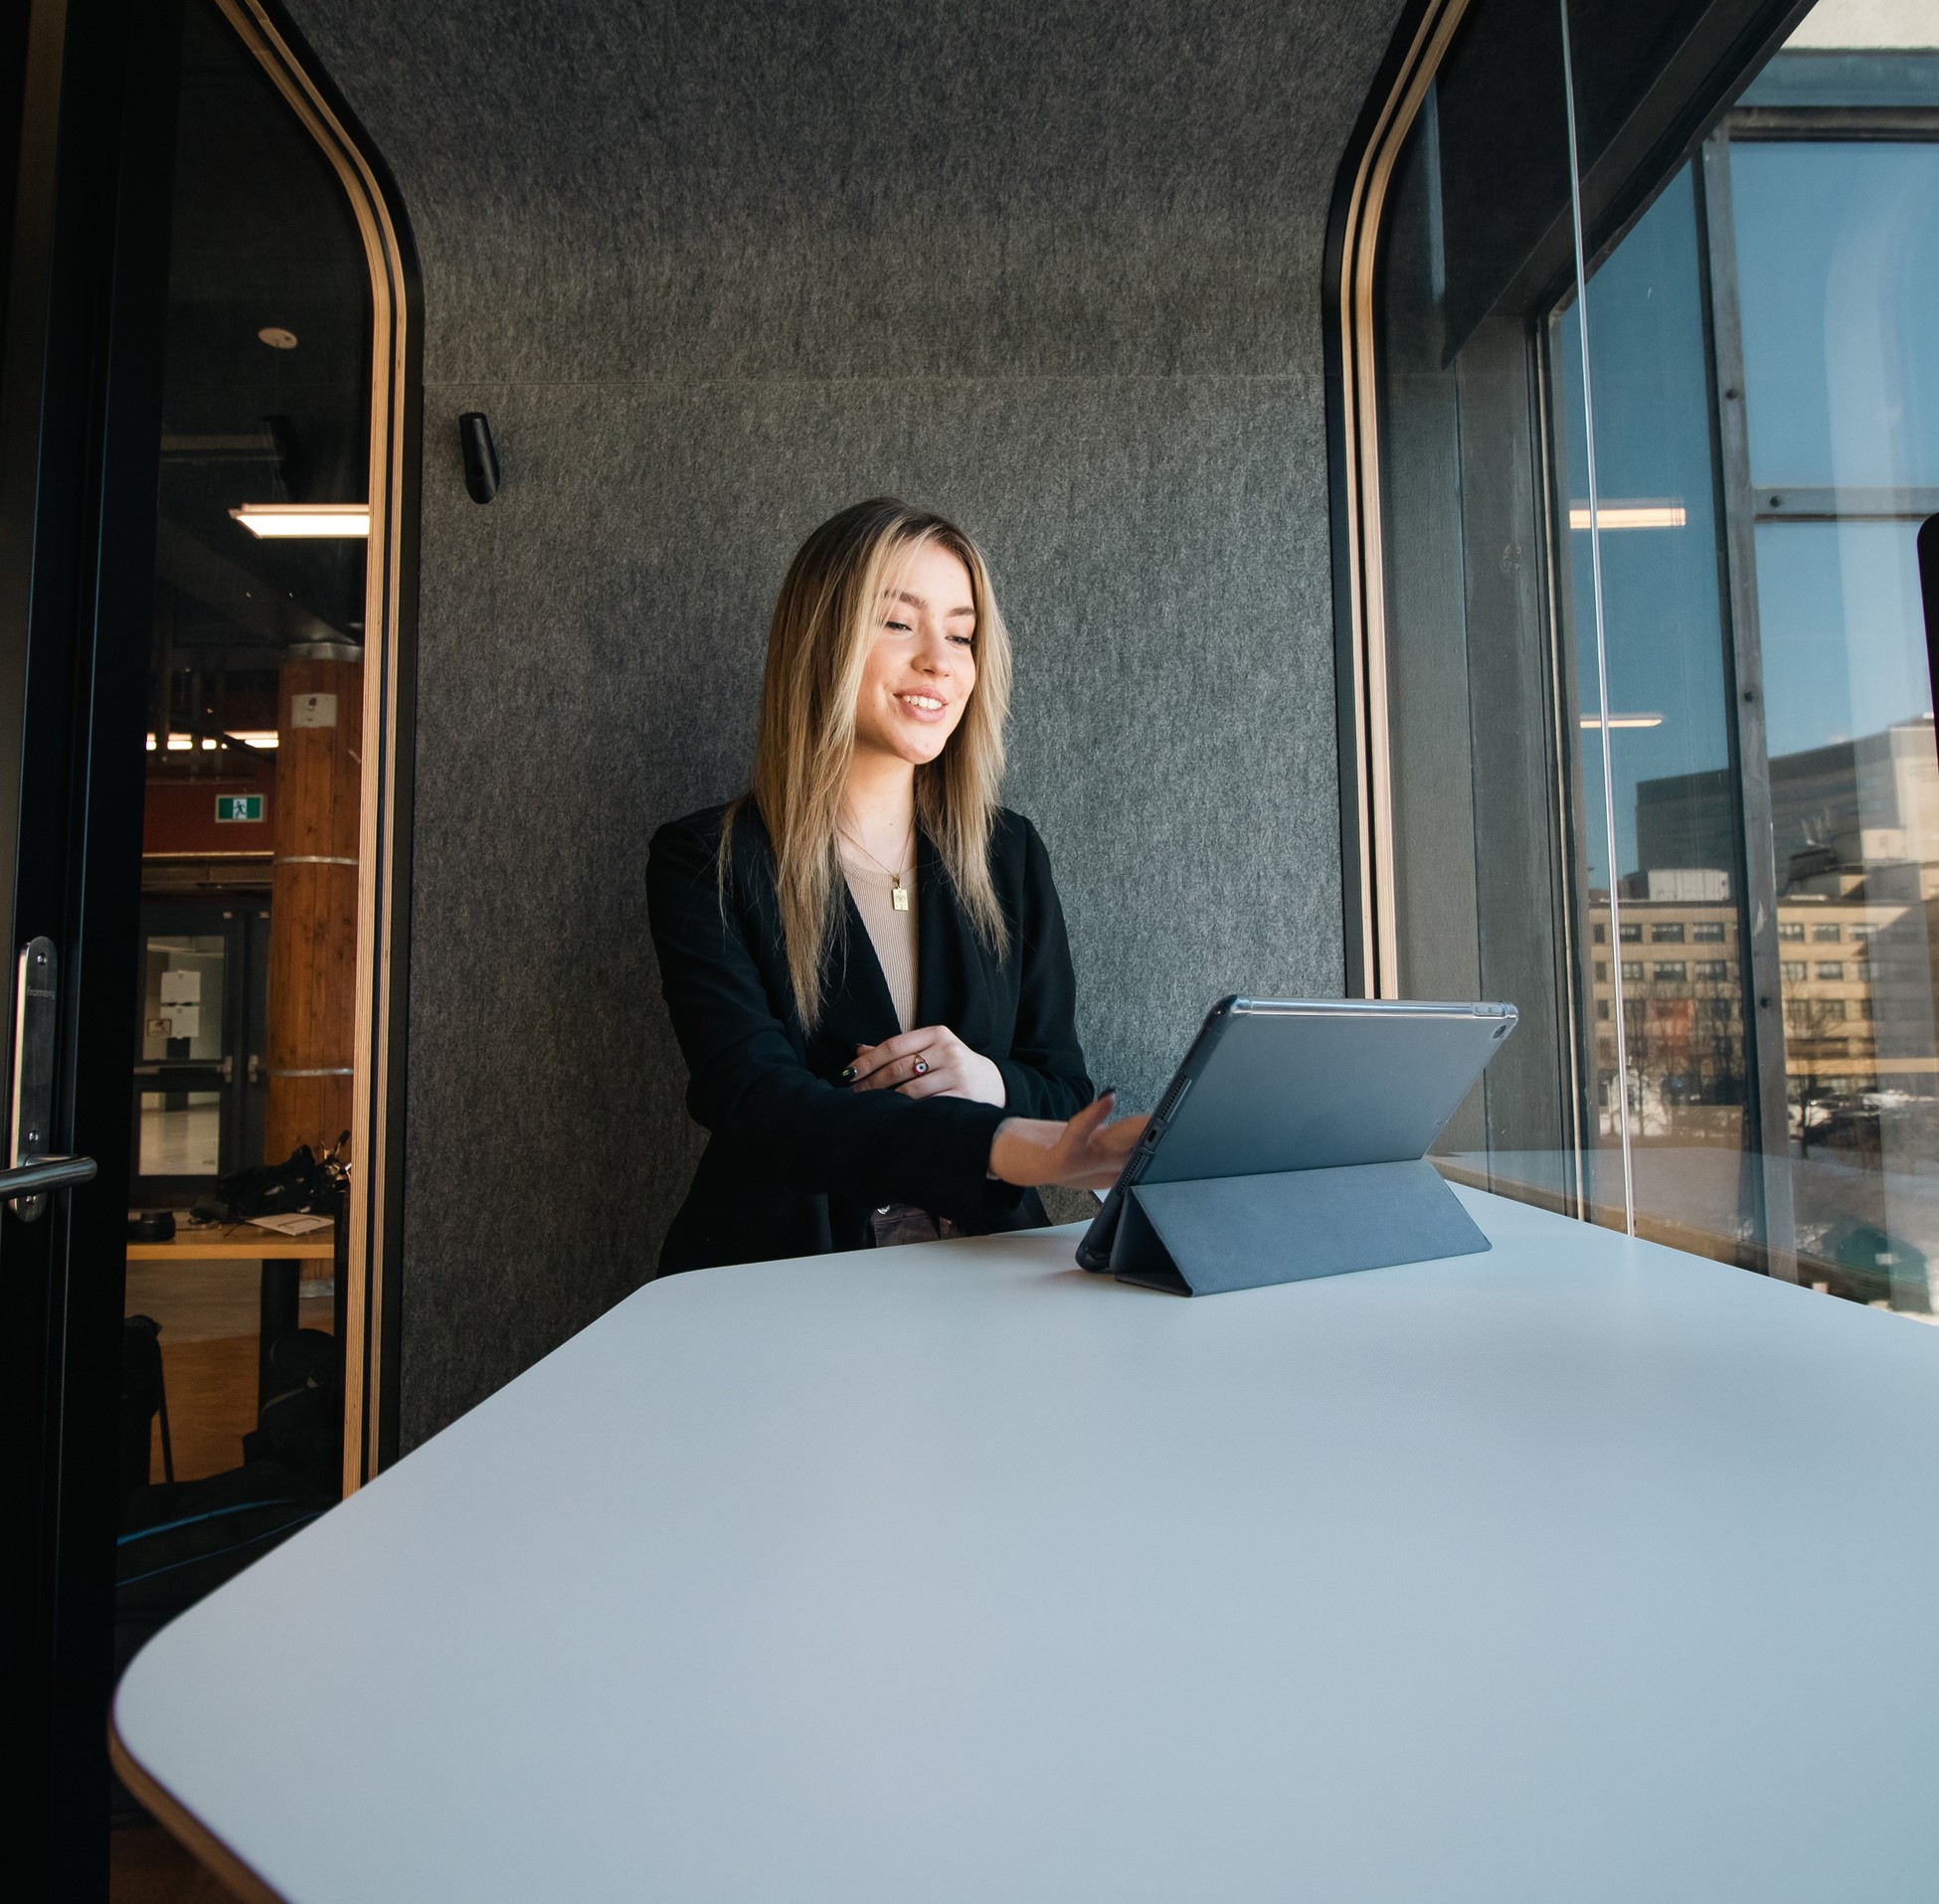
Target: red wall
(180, 813)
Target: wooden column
(313, 899)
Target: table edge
(239, 1877)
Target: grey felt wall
(715, 270)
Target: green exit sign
(239, 806)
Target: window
(1643, 626)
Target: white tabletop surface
(1578, 1571)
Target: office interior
(1454, 472)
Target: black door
(88, 136)
(201, 1030)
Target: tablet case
(1215, 1233)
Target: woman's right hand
(1085, 1152)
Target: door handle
(30, 1172)
(45, 1174)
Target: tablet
(1302, 1084)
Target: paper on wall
(181, 987)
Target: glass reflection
(1839, 277)
(1839, 265)
(1697, 824)
(1472, 211)
(1675, 892)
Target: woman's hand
(1083, 1154)
(930, 1062)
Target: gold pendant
(897, 895)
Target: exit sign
(239, 806)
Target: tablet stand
(1216, 1234)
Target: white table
(1582, 1570)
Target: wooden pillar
(313, 899)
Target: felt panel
(713, 273)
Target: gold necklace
(898, 892)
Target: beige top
(892, 933)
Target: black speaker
(480, 458)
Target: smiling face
(922, 665)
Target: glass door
(201, 422)
(199, 1078)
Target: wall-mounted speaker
(480, 458)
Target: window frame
(1723, 50)
(371, 1302)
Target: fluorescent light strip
(1623, 720)
(264, 740)
(1630, 515)
(311, 520)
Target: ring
(921, 1065)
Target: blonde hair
(817, 647)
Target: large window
(1642, 423)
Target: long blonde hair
(817, 647)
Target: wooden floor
(208, 1313)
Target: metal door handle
(46, 1173)
(27, 1177)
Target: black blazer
(797, 1161)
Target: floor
(185, 1141)
(207, 1315)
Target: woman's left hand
(930, 1062)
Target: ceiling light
(1630, 515)
(308, 519)
(1624, 720)
(276, 337)
(250, 737)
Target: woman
(864, 956)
